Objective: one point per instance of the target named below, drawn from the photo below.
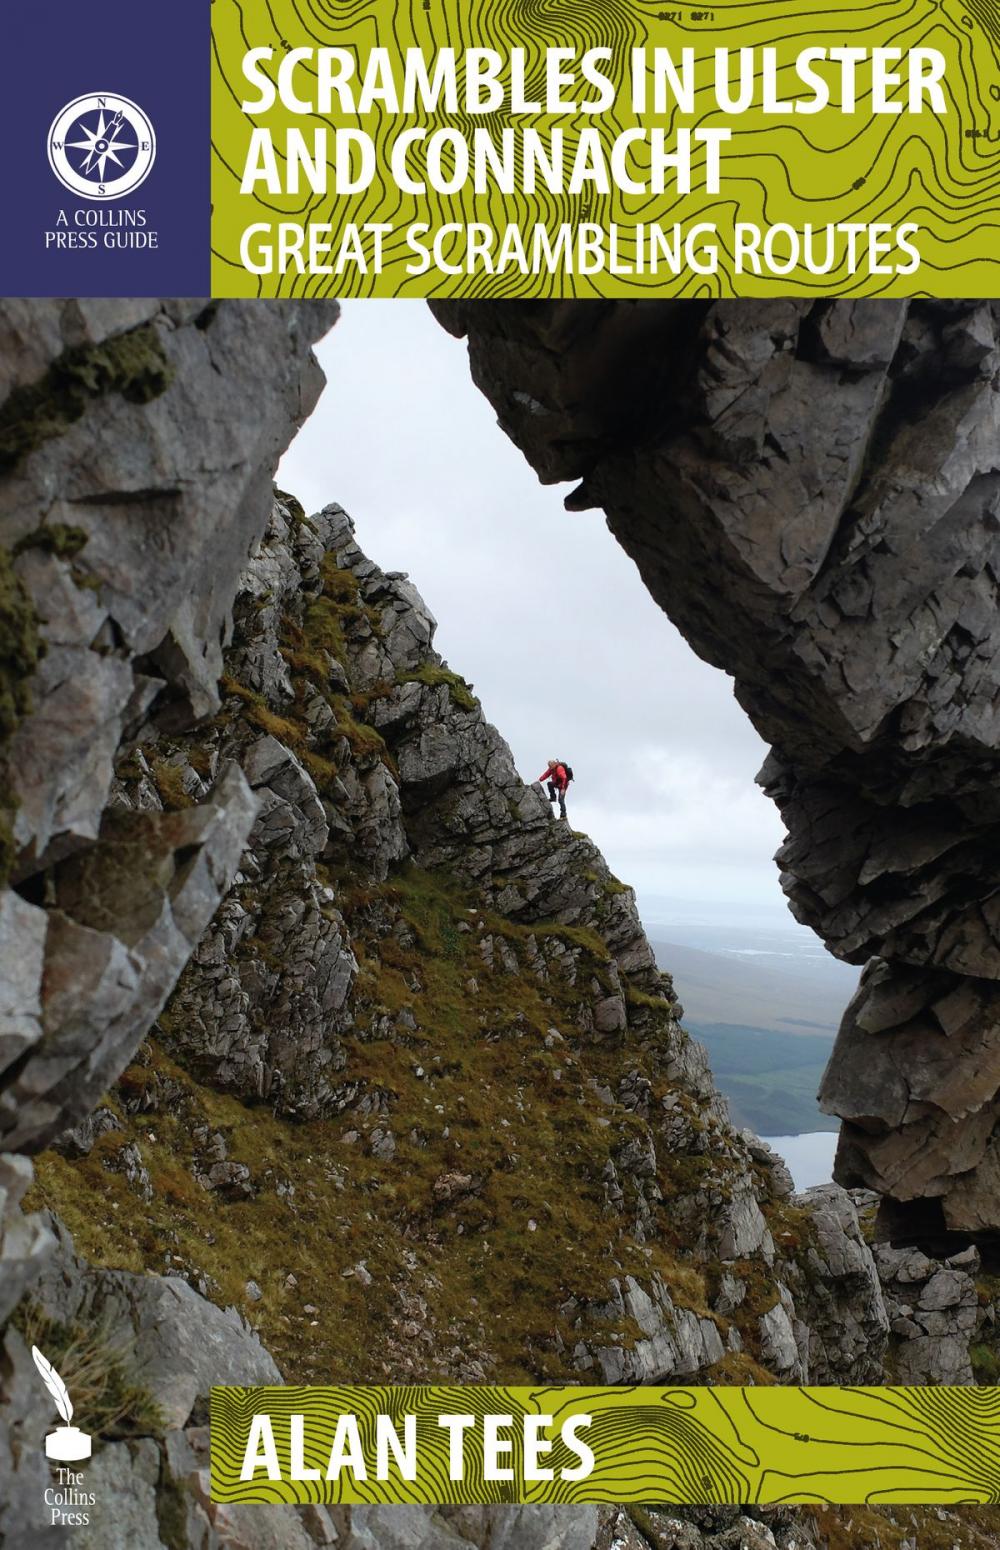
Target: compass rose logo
(101, 146)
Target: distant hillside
(768, 1021)
(770, 1079)
(792, 993)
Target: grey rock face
(25, 1241)
(152, 1487)
(778, 1342)
(122, 567)
(838, 1295)
(127, 507)
(266, 1019)
(25, 1416)
(125, 1474)
(575, 1528)
(674, 1342)
(459, 1528)
(127, 915)
(174, 1344)
(913, 1075)
(79, 1140)
(269, 1021)
(934, 1314)
(159, 551)
(809, 491)
(22, 949)
(179, 1344)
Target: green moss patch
(20, 646)
(328, 623)
(433, 675)
(58, 538)
(985, 1363)
(133, 364)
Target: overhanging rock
(811, 491)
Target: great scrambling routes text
(577, 126)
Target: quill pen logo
(67, 1443)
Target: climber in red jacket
(558, 776)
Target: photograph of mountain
(470, 776)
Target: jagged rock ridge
(393, 830)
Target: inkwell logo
(101, 146)
(67, 1443)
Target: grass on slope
(475, 1095)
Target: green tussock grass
(434, 675)
(636, 997)
(169, 781)
(493, 1288)
(94, 1363)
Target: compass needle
(102, 143)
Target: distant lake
(809, 1157)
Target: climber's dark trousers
(556, 795)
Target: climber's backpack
(569, 771)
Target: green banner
(609, 148)
(657, 1445)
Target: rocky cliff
(339, 1057)
(810, 490)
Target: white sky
(542, 612)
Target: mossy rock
(434, 675)
(59, 538)
(133, 364)
(21, 647)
